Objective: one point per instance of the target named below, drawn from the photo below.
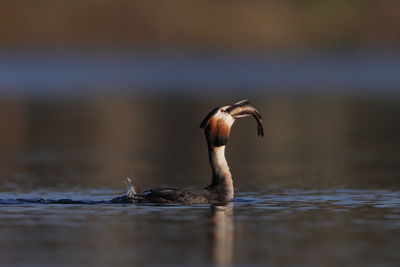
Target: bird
(217, 126)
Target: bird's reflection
(222, 234)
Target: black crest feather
(203, 124)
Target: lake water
(321, 188)
(276, 227)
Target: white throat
(222, 178)
(218, 160)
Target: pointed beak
(243, 109)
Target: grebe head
(217, 124)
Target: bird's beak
(243, 109)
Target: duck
(217, 126)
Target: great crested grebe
(217, 125)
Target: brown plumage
(217, 132)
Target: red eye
(222, 110)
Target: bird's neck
(221, 176)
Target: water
(301, 227)
(51, 73)
(321, 188)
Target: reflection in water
(222, 235)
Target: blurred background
(94, 91)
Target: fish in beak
(218, 122)
(243, 109)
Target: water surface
(280, 226)
(321, 188)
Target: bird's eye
(222, 110)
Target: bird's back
(175, 195)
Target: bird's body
(195, 195)
(177, 195)
(217, 125)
